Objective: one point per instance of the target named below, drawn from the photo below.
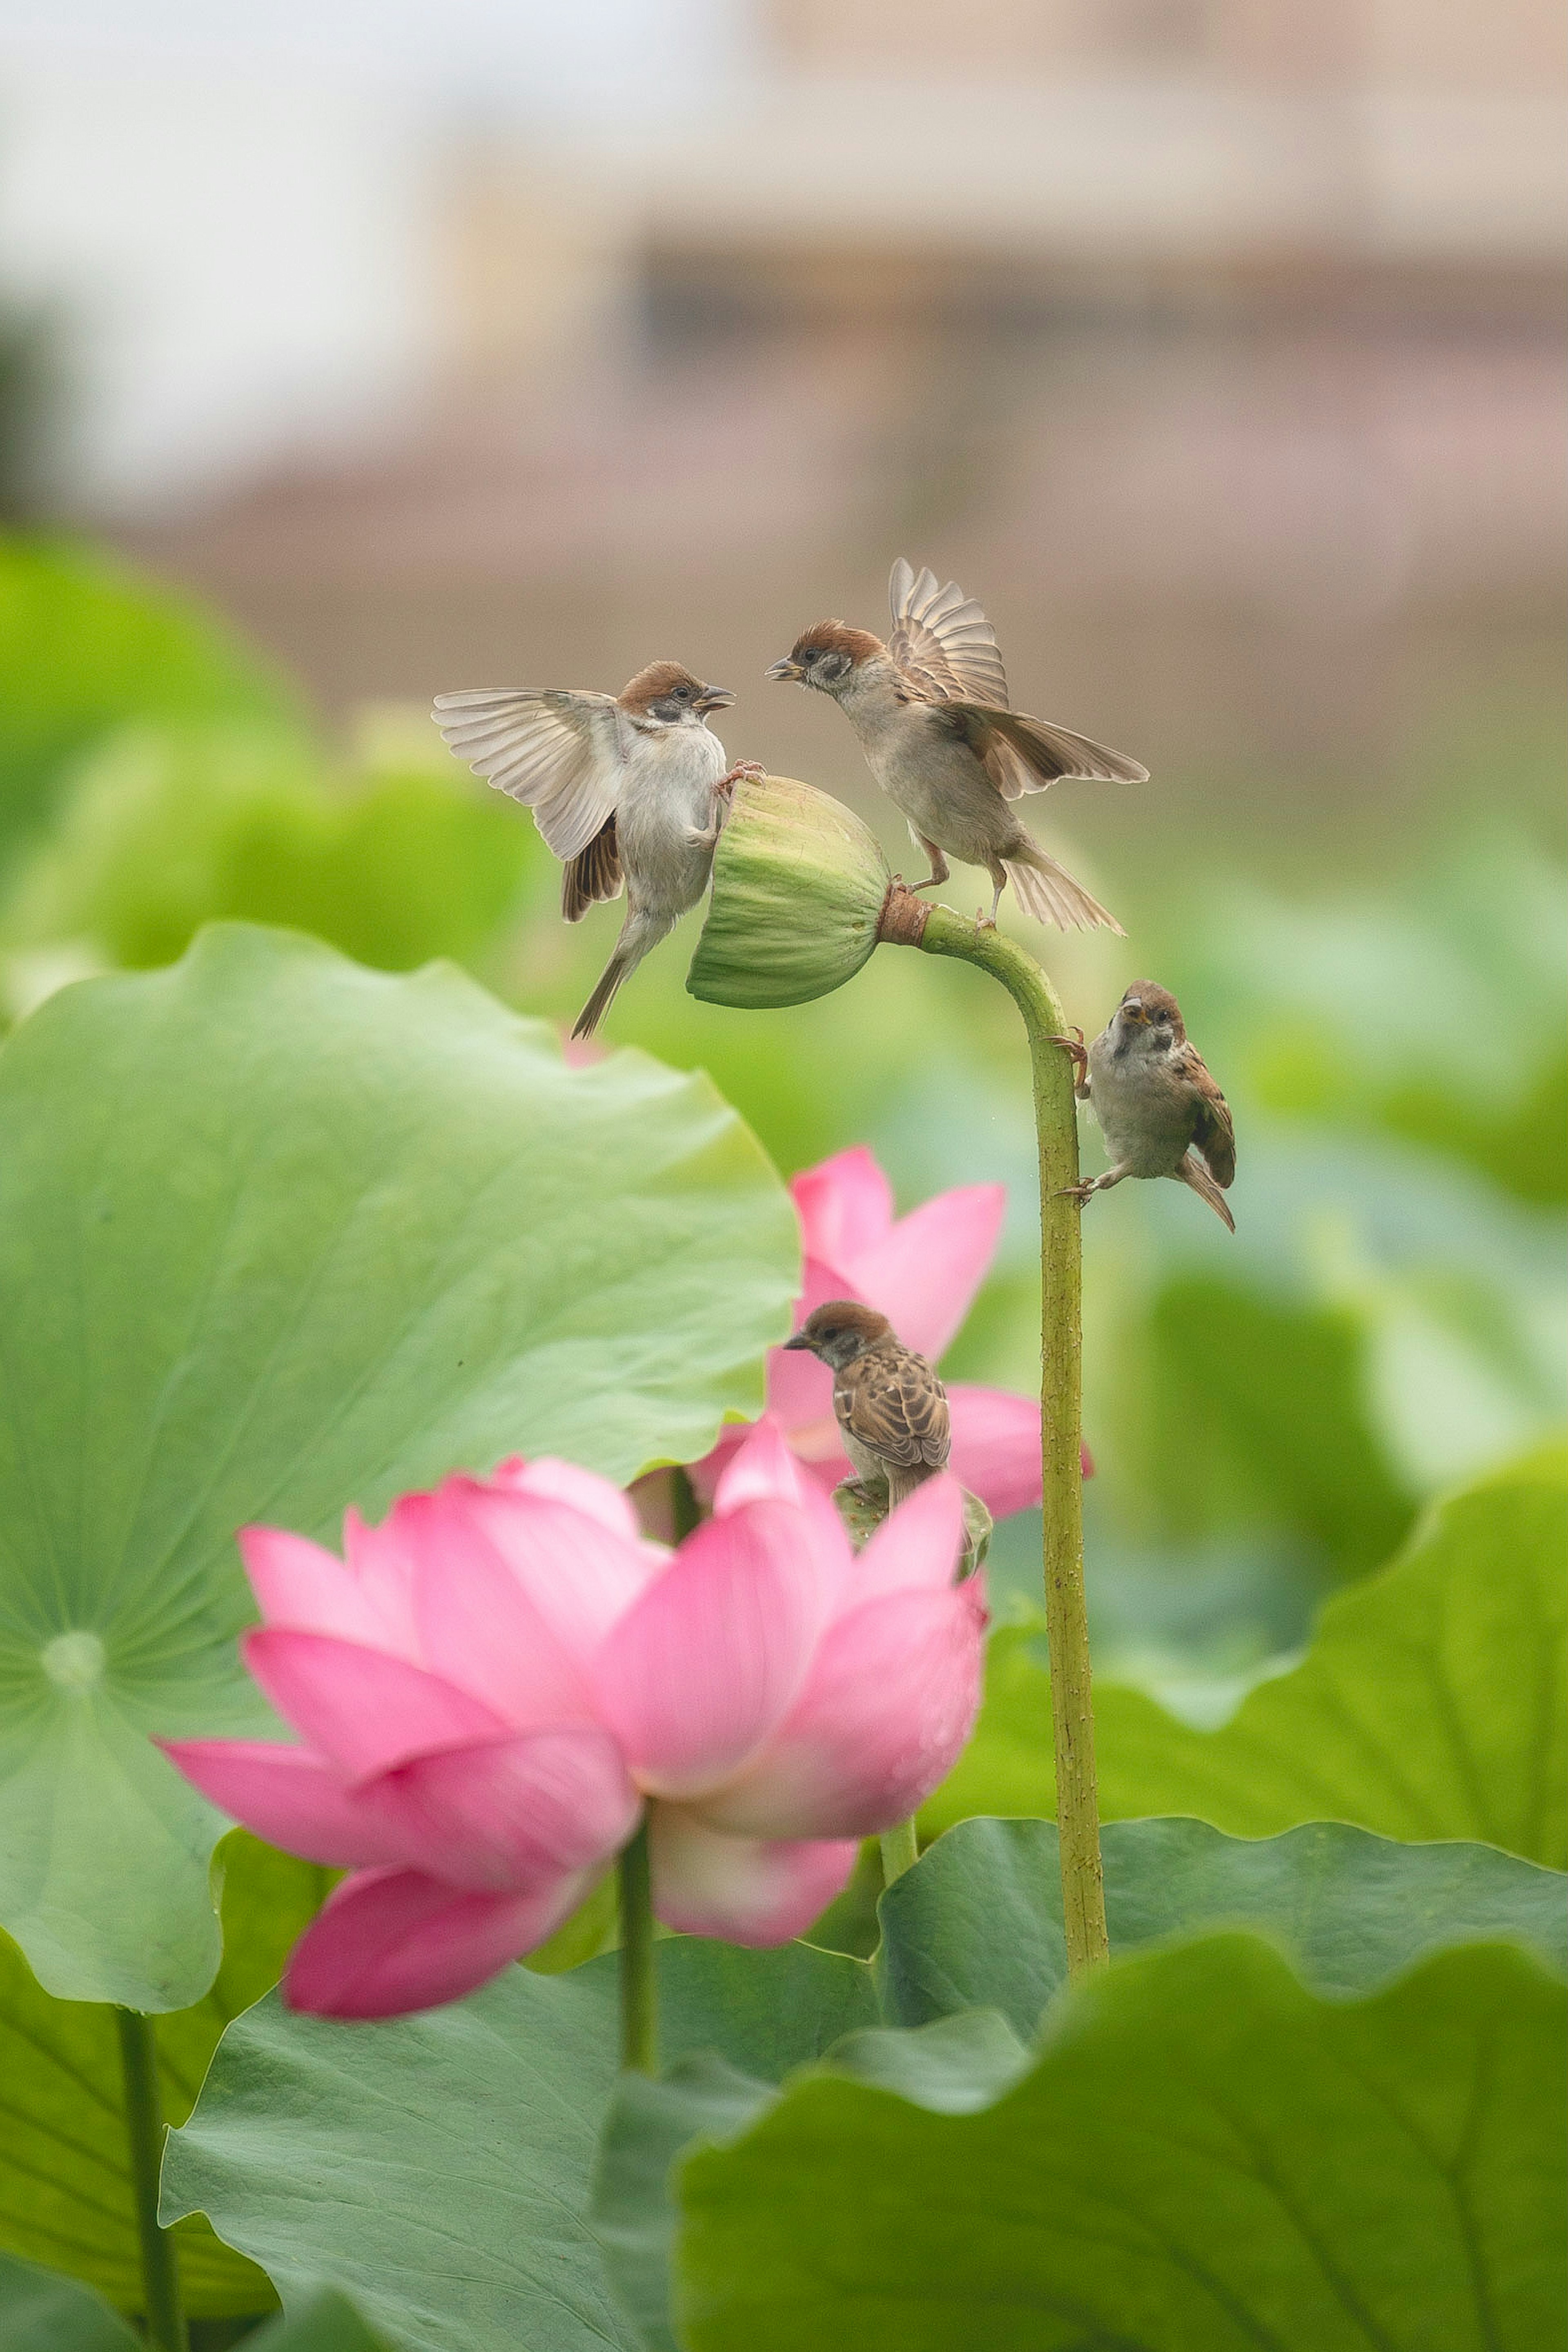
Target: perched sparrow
(930, 708)
(629, 789)
(890, 1406)
(1156, 1103)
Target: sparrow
(891, 1407)
(629, 790)
(1159, 1110)
(930, 710)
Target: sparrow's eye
(683, 693)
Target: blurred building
(1217, 343)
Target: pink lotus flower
(494, 1682)
(922, 1272)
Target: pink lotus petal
(479, 1628)
(383, 1562)
(362, 1709)
(580, 1574)
(714, 1654)
(765, 1468)
(562, 1482)
(748, 1892)
(762, 1469)
(506, 1816)
(299, 1583)
(923, 1274)
(996, 1447)
(288, 1796)
(705, 1474)
(890, 1701)
(388, 1941)
(846, 1205)
(916, 1549)
(799, 1388)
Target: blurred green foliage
(1267, 1413)
(162, 829)
(86, 645)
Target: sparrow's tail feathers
(1048, 892)
(598, 1004)
(1193, 1171)
(638, 933)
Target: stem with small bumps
(908, 921)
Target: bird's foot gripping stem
(744, 771)
(1073, 1044)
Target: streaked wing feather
(594, 874)
(560, 753)
(1214, 1133)
(941, 640)
(1045, 752)
(896, 1407)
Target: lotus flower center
(74, 1662)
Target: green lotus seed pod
(798, 887)
(863, 1505)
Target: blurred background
(352, 352)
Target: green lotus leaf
(977, 1922)
(1205, 2157)
(1431, 1703)
(437, 2168)
(65, 2178)
(279, 1234)
(972, 1952)
(42, 2312)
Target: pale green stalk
(145, 2132)
(908, 921)
(639, 1991)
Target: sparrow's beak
(785, 673)
(800, 1339)
(714, 697)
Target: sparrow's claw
(1078, 1192)
(1073, 1044)
(983, 921)
(744, 771)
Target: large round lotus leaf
(972, 1951)
(1431, 1705)
(65, 2196)
(1205, 2158)
(277, 1235)
(977, 1923)
(436, 2168)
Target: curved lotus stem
(909, 921)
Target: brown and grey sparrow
(1159, 1110)
(891, 1407)
(930, 710)
(628, 789)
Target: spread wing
(1024, 755)
(941, 640)
(560, 753)
(1213, 1136)
(594, 873)
(896, 1407)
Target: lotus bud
(862, 1505)
(799, 885)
